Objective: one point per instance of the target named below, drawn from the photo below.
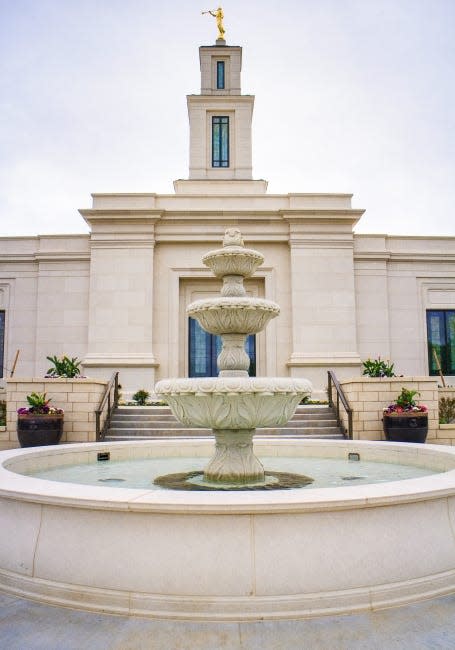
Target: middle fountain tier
(233, 405)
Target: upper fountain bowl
(233, 260)
(233, 315)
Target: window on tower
(220, 75)
(220, 141)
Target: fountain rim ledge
(231, 302)
(233, 385)
(21, 487)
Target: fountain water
(234, 404)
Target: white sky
(351, 96)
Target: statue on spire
(218, 14)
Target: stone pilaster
(324, 330)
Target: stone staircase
(155, 422)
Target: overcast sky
(351, 96)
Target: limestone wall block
(78, 397)
(368, 396)
(370, 416)
(81, 426)
(77, 417)
(77, 436)
(82, 407)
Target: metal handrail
(111, 405)
(333, 381)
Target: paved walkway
(26, 625)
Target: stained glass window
(2, 341)
(220, 75)
(441, 340)
(220, 141)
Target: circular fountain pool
(229, 555)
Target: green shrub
(446, 410)
(141, 397)
(378, 368)
(406, 399)
(2, 414)
(64, 367)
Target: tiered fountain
(233, 405)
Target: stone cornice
(64, 256)
(56, 256)
(326, 242)
(298, 215)
(111, 243)
(301, 360)
(134, 215)
(220, 99)
(388, 256)
(120, 360)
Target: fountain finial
(233, 237)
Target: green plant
(378, 368)
(406, 398)
(446, 410)
(2, 414)
(38, 404)
(64, 367)
(405, 402)
(141, 397)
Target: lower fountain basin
(228, 556)
(233, 402)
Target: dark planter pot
(406, 427)
(38, 430)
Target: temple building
(116, 297)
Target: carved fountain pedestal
(233, 405)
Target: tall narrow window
(441, 339)
(220, 75)
(204, 349)
(2, 342)
(220, 141)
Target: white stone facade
(116, 298)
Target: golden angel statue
(218, 14)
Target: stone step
(144, 417)
(144, 410)
(165, 410)
(152, 417)
(130, 423)
(188, 432)
(151, 422)
(309, 436)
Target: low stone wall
(368, 396)
(79, 398)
